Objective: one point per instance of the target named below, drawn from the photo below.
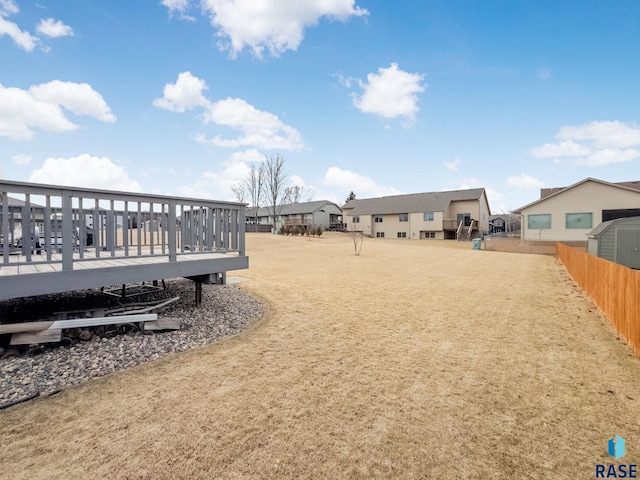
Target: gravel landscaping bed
(226, 310)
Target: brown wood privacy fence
(614, 288)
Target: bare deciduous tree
(357, 236)
(275, 178)
(240, 192)
(255, 184)
(251, 188)
(295, 193)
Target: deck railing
(54, 224)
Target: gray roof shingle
(294, 208)
(411, 203)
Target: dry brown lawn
(416, 359)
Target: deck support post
(198, 292)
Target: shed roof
(604, 226)
(411, 203)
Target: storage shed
(617, 240)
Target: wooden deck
(120, 238)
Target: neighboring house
(504, 223)
(570, 213)
(456, 214)
(321, 213)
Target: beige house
(456, 214)
(319, 213)
(570, 213)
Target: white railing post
(172, 231)
(67, 230)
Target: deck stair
(464, 232)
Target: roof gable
(548, 193)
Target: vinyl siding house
(456, 214)
(321, 213)
(570, 213)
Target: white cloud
(271, 25)
(179, 6)
(593, 144)
(185, 94)
(22, 159)
(79, 98)
(21, 38)
(452, 165)
(85, 171)
(464, 184)
(390, 93)
(20, 112)
(560, 149)
(218, 184)
(608, 156)
(524, 181)
(8, 7)
(363, 186)
(603, 134)
(544, 73)
(54, 28)
(252, 155)
(495, 199)
(258, 128)
(40, 107)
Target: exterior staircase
(464, 232)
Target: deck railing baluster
(152, 227)
(47, 227)
(5, 228)
(25, 220)
(138, 226)
(67, 231)
(171, 224)
(125, 228)
(97, 227)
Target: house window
(402, 234)
(579, 220)
(539, 222)
(430, 235)
(404, 217)
(355, 219)
(378, 219)
(427, 216)
(380, 234)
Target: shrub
(319, 231)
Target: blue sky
(182, 96)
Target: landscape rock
(226, 310)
